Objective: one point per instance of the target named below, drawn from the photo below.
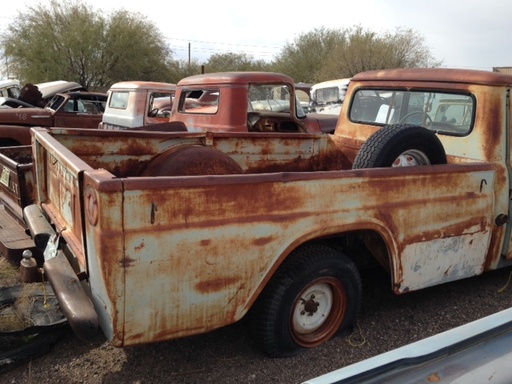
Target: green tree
(234, 62)
(183, 68)
(304, 58)
(365, 50)
(72, 41)
(331, 54)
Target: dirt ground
(228, 356)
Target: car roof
(145, 85)
(51, 88)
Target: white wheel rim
(411, 158)
(312, 308)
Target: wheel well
(366, 248)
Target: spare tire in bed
(399, 146)
(191, 161)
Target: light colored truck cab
(327, 97)
(202, 229)
(137, 103)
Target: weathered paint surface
(172, 256)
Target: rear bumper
(73, 299)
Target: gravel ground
(227, 355)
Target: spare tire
(192, 160)
(400, 145)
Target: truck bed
(172, 242)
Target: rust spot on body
(263, 240)
(215, 285)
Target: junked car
(72, 109)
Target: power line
(222, 43)
(203, 48)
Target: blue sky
(461, 33)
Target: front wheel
(314, 294)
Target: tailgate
(59, 174)
(57, 216)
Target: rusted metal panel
(179, 235)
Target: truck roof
(448, 75)
(235, 77)
(144, 85)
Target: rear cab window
(444, 113)
(119, 100)
(199, 101)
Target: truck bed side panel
(197, 250)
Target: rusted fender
(73, 299)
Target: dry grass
(9, 274)
(35, 304)
(15, 316)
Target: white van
(327, 97)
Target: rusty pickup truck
(178, 233)
(71, 110)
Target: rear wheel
(314, 294)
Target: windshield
(446, 113)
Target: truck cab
(327, 97)
(244, 102)
(134, 104)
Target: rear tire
(315, 293)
